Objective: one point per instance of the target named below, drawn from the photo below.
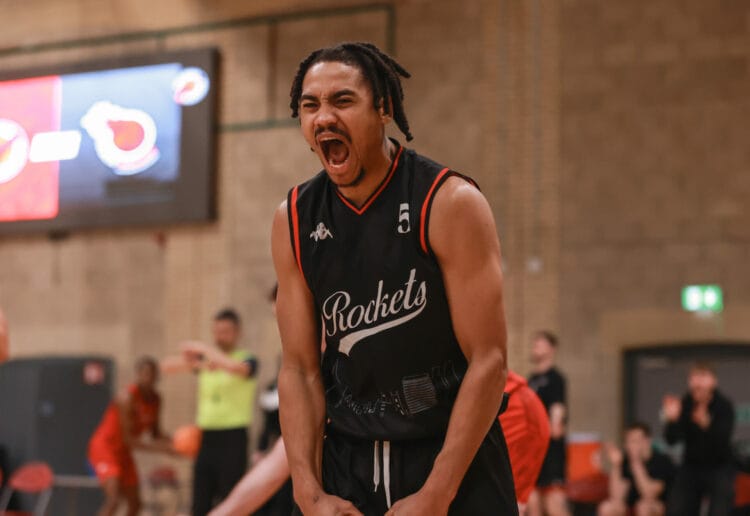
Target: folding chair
(32, 478)
(163, 480)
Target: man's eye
(345, 101)
(308, 105)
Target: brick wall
(128, 292)
(654, 173)
(609, 138)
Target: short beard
(356, 181)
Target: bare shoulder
(460, 217)
(460, 201)
(281, 248)
(280, 229)
(280, 215)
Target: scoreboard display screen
(127, 142)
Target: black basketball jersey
(392, 365)
(549, 386)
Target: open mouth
(335, 150)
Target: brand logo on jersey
(321, 233)
(403, 218)
(340, 315)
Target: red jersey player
(129, 418)
(526, 428)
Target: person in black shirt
(640, 477)
(269, 404)
(281, 503)
(549, 384)
(703, 420)
(396, 259)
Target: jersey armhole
(294, 226)
(424, 219)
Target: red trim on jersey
(295, 229)
(360, 211)
(422, 239)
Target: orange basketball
(187, 440)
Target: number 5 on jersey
(403, 218)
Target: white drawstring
(375, 466)
(386, 469)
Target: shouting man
(398, 258)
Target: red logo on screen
(93, 373)
(28, 190)
(124, 139)
(14, 149)
(190, 86)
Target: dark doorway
(653, 371)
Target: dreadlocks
(378, 68)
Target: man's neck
(375, 173)
(145, 391)
(227, 351)
(544, 365)
(704, 401)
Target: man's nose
(325, 117)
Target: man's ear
(386, 117)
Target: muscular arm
(301, 400)
(4, 341)
(464, 240)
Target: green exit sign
(702, 298)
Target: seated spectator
(640, 476)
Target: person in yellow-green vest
(226, 393)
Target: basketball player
(526, 429)
(549, 384)
(4, 340)
(399, 258)
(132, 417)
